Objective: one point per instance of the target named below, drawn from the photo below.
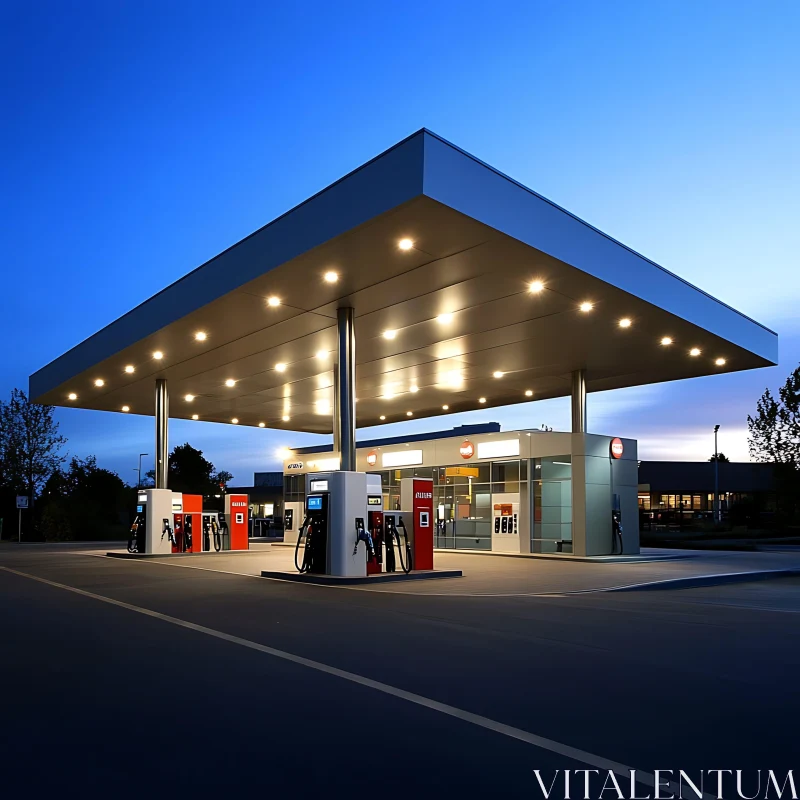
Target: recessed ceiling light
(695, 351)
(273, 301)
(529, 393)
(285, 417)
(388, 395)
(389, 334)
(321, 354)
(230, 382)
(126, 409)
(535, 287)
(405, 244)
(445, 408)
(498, 374)
(195, 416)
(413, 388)
(72, 396)
(158, 355)
(667, 340)
(481, 399)
(383, 416)
(200, 336)
(331, 277)
(409, 413)
(586, 307)
(99, 382)
(280, 367)
(235, 421)
(262, 424)
(720, 362)
(445, 318)
(189, 398)
(625, 322)
(129, 368)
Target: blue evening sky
(139, 139)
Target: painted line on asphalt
(509, 731)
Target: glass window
(505, 476)
(552, 508)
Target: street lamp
(139, 470)
(716, 476)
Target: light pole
(139, 470)
(716, 476)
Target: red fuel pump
(375, 527)
(177, 524)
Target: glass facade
(552, 505)
(462, 497)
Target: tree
(774, 431)
(721, 457)
(774, 436)
(84, 502)
(223, 478)
(30, 444)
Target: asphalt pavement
(120, 678)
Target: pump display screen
(139, 509)
(314, 504)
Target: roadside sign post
(22, 502)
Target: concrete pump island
(422, 284)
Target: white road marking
(511, 732)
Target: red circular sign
(467, 450)
(372, 458)
(616, 448)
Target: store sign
(617, 448)
(295, 465)
(402, 458)
(507, 447)
(372, 458)
(467, 449)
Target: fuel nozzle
(363, 535)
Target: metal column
(336, 424)
(346, 388)
(579, 401)
(162, 447)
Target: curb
(696, 581)
(384, 577)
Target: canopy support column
(162, 422)
(579, 401)
(345, 387)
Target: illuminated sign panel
(319, 486)
(402, 458)
(501, 449)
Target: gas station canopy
(469, 291)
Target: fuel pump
(179, 546)
(137, 535)
(375, 527)
(187, 533)
(616, 528)
(314, 531)
(206, 532)
(363, 535)
(392, 535)
(167, 530)
(222, 537)
(217, 532)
